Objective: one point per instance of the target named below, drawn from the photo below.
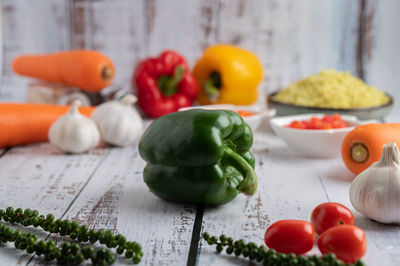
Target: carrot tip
(359, 153)
(107, 73)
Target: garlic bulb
(376, 191)
(118, 121)
(74, 132)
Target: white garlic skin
(74, 132)
(376, 191)
(118, 121)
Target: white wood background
(104, 188)
(292, 38)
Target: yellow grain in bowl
(332, 89)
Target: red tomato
(244, 113)
(336, 117)
(329, 214)
(297, 124)
(347, 242)
(339, 124)
(325, 125)
(327, 122)
(316, 123)
(327, 118)
(289, 236)
(307, 124)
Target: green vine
(67, 252)
(269, 257)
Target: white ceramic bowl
(253, 121)
(311, 142)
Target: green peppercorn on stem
(270, 256)
(67, 253)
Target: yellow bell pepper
(228, 74)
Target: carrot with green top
(29, 123)
(363, 145)
(86, 69)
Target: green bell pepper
(199, 156)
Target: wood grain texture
(285, 182)
(292, 39)
(185, 26)
(381, 239)
(30, 27)
(382, 50)
(114, 28)
(116, 198)
(41, 177)
(104, 188)
(290, 186)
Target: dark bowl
(365, 113)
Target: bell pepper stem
(249, 184)
(212, 87)
(169, 85)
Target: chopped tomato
(327, 118)
(244, 113)
(325, 125)
(338, 124)
(336, 117)
(307, 124)
(297, 124)
(327, 122)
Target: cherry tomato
(347, 242)
(329, 214)
(289, 236)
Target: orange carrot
(29, 123)
(88, 70)
(363, 145)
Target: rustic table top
(104, 189)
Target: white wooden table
(104, 189)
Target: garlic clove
(119, 123)
(74, 132)
(376, 191)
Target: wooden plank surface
(185, 26)
(116, 198)
(104, 189)
(288, 189)
(290, 186)
(292, 39)
(382, 240)
(41, 177)
(30, 27)
(382, 49)
(114, 28)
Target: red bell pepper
(164, 84)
